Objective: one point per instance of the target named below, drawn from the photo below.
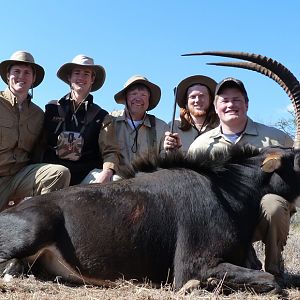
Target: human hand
(104, 176)
(172, 141)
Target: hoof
(13, 267)
(189, 286)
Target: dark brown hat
(231, 82)
(192, 80)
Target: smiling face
(198, 100)
(137, 99)
(81, 80)
(20, 79)
(231, 107)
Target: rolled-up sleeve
(109, 148)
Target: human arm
(109, 150)
(37, 152)
(104, 176)
(39, 149)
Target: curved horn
(270, 68)
(255, 67)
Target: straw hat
(82, 61)
(192, 80)
(155, 92)
(22, 57)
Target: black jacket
(90, 157)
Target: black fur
(189, 218)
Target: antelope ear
(297, 162)
(271, 163)
(297, 202)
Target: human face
(198, 100)
(138, 102)
(20, 79)
(81, 80)
(231, 107)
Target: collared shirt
(255, 134)
(187, 137)
(144, 144)
(20, 129)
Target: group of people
(75, 141)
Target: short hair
(20, 63)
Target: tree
(288, 125)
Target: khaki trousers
(273, 229)
(33, 180)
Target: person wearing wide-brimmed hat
(138, 132)
(76, 113)
(194, 96)
(231, 104)
(21, 124)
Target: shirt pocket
(8, 134)
(29, 135)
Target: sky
(148, 38)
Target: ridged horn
(269, 67)
(255, 67)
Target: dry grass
(32, 289)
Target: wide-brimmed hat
(231, 82)
(155, 91)
(22, 57)
(82, 61)
(192, 80)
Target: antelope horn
(255, 67)
(270, 68)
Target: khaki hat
(231, 82)
(192, 80)
(22, 57)
(83, 61)
(155, 92)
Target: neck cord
(75, 109)
(136, 129)
(194, 125)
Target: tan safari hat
(83, 61)
(22, 57)
(155, 91)
(192, 80)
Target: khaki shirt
(187, 137)
(108, 144)
(125, 137)
(255, 134)
(19, 131)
